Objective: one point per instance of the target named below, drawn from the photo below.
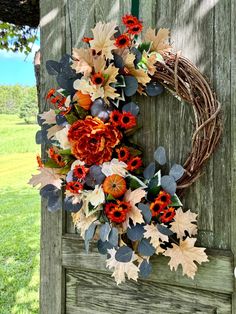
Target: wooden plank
(90, 292)
(233, 142)
(222, 157)
(220, 267)
(52, 285)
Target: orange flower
(80, 171)
(156, 208)
(128, 120)
(74, 187)
(164, 197)
(87, 39)
(50, 93)
(129, 20)
(122, 41)
(168, 215)
(134, 163)
(92, 140)
(97, 78)
(135, 29)
(123, 154)
(115, 117)
(117, 212)
(39, 161)
(114, 185)
(58, 159)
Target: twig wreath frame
(130, 210)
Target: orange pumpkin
(114, 185)
(84, 100)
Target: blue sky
(14, 69)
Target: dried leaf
(110, 91)
(121, 269)
(186, 254)
(135, 213)
(158, 40)
(150, 63)
(83, 61)
(94, 91)
(102, 41)
(62, 137)
(155, 236)
(141, 76)
(82, 222)
(48, 116)
(53, 130)
(47, 176)
(183, 221)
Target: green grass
(19, 218)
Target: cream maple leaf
(186, 254)
(102, 41)
(53, 130)
(83, 61)
(47, 176)
(158, 40)
(151, 60)
(48, 116)
(85, 87)
(134, 197)
(114, 167)
(155, 235)
(141, 76)
(121, 269)
(82, 222)
(110, 91)
(62, 137)
(183, 221)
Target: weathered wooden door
(74, 282)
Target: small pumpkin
(84, 100)
(114, 185)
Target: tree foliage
(20, 100)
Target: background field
(19, 218)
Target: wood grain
(92, 293)
(220, 267)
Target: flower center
(126, 119)
(117, 214)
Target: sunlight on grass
(19, 218)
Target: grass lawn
(19, 218)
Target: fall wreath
(131, 210)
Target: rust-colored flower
(123, 153)
(134, 163)
(97, 78)
(87, 39)
(74, 187)
(115, 117)
(168, 215)
(117, 212)
(129, 20)
(50, 93)
(156, 208)
(127, 120)
(39, 161)
(80, 171)
(164, 198)
(135, 29)
(122, 41)
(92, 140)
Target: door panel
(75, 282)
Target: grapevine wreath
(131, 210)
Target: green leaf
(144, 46)
(81, 111)
(110, 197)
(134, 182)
(71, 118)
(51, 164)
(90, 210)
(175, 201)
(65, 151)
(154, 186)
